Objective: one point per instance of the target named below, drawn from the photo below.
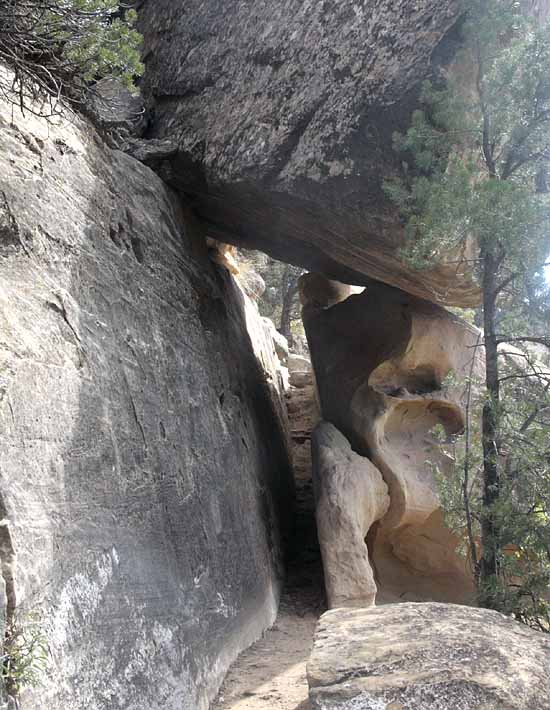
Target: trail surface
(271, 675)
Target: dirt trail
(271, 675)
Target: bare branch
(539, 340)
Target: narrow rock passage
(271, 675)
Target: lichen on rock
(427, 657)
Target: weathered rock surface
(381, 359)
(350, 495)
(283, 115)
(116, 110)
(427, 657)
(303, 416)
(143, 470)
(300, 372)
(279, 340)
(3, 620)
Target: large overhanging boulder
(278, 118)
(427, 657)
(389, 369)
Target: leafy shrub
(25, 654)
(59, 48)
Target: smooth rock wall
(143, 459)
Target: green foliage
(25, 655)
(476, 161)
(460, 137)
(280, 300)
(61, 47)
(101, 44)
(522, 511)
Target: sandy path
(271, 675)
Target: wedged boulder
(350, 495)
(300, 372)
(144, 478)
(299, 363)
(427, 657)
(116, 110)
(389, 368)
(283, 116)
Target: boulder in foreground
(427, 657)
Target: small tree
(24, 659)
(280, 300)
(58, 48)
(477, 158)
(289, 291)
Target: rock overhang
(282, 116)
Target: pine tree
(476, 161)
(59, 48)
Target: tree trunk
(490, 532)
(290, 289)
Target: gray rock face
(283, 114)
(427, 657)
(279, 340)
(116, 110)
(3, 619)
(143, 466)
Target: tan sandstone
(390, 368)
(350, 496)
(427, 657)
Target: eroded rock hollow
(390, 368)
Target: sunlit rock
(391, 369)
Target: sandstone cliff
(145, 484)
(144, 479)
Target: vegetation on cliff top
(476, 167)
(59, 48)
